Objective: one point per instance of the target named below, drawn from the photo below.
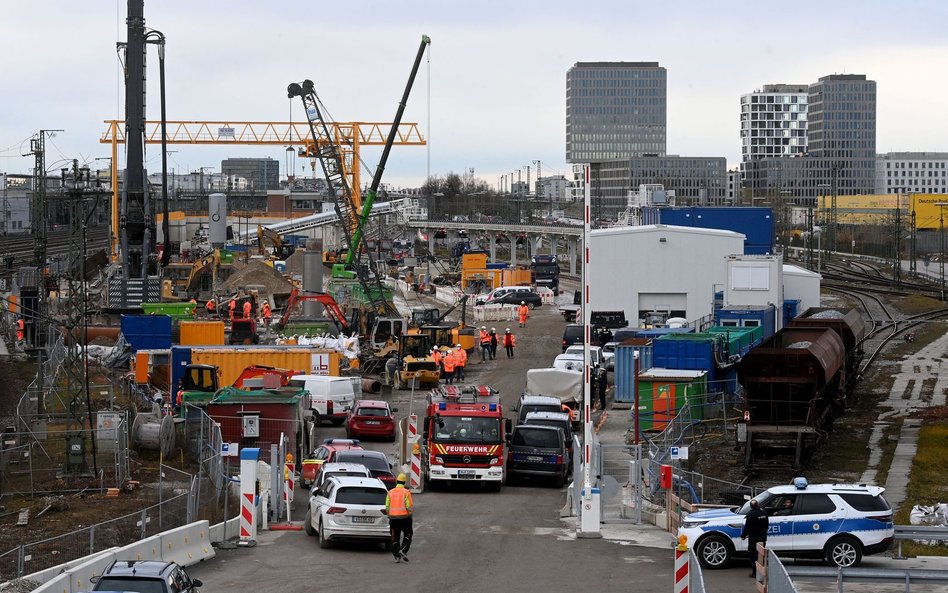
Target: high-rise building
(615, 110)
(260, 174)
(905, 172)
(841, 138)
(774, 121)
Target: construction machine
(430, 321)
(281, 249)
(348, 209)
(416, 363)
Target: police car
(837, 522)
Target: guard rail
(928, 532)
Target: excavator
(429, 321)
(348, 209)
(184, 288)
(281, 250)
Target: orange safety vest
(20, 329)
(398, 503)
(266, 311)
(485, 337)
(461, 356)
(509, 340)
(247, 308)
(449, 364)
(436, 355)
(210, 306)
(523, 311)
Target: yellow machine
(414, 353)
(184, 280)
(281, 250)
(428, 321)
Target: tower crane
(333, 167)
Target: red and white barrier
(414, 478)
(248, 492)
(289, 482)
(682, 579)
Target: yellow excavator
(281, 250)
(431, 322)
(181, 287)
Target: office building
(615, 110)
(774, 121)
(905, 172)
(260, 174)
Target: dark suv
(146, 576)
(530, 298)
(538, 451)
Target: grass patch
(915, 304)
(927, 484)
(924, 334)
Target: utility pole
(39, 216)
(897, 262)
(913, 268)
(833, 208)
(809, 238)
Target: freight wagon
(851, 328)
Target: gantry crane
(348, 136)
(333, 166)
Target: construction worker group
(489, 342)
(452, 362)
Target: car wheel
(308, 524)
(532, 306)
(317, 419)
(844, 551)
(323, 540)
(714, 551)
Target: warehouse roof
(666, 228)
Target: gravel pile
(830, 314)
(257, 273)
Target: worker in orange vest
(437, 357)
(20, 330)
(194, 307)
(485, 344)
(449, 363)
(399, 506)
(522, 312)
(509, 342)
(460, 356)
(267, 314)
(209, 307)
(248, 309)
(233, 309)
(568, 410)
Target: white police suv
(837, 522)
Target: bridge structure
(565, 241)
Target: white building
(800, 284)
(755, 280)
(733, 190)
(774, 122)
(915, 172)
(659, 268)
(553, 187)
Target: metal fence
(778, 581)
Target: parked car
(609, 355)
(375, 461)
(145, 576)
(323, 454)
(538, 451)
(341, 469)
(490, 297)
(348, 508)
(572, 334)
(371, 418)
(840, 523)
(536, 403)
(530, 297)
(596, 357)
(559, 420)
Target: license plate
(534, 458)
(372, 422)
(360, 519)
(466, 474)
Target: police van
(840, 523)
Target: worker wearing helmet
(267, 313)
(485, 344)
(460, 358)
(209, 307)
(399, 507)
(509, 342)
(493, 343)
(449, 363)
(438, 358)
(522, 312)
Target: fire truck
(465, 436)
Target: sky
(490, 94)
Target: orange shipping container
(202, 333)
(232, 361)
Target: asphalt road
(466, 539)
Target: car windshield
(468, 429)
(371, 412)
(370, 462)
(761, 498)
(542, 439)
(327, 475)
(544, 422)
(133, 584)
(361, 495)
(527, 408)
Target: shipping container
(739, 339)
(708, 352)
(174, 310)
(202, 333)
(663, 392)
(756, 224)
(258, 420)
(232, 360)
(764, 316)
(625, 366)
(147, 332)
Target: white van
(330, 398)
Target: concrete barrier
(43, 576)
(446, 294)
(57, 584)
(80, 577)
(147, 549)
(225, 530)
(187, 545)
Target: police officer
(756, 524)
(399, 507)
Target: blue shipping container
(147, 332)
(180, 358)
(694, 353)
(756, 224)
(764, 316)
(625, 383)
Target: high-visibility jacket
(436, 355)
(20, 329)
(398, 502)
(248, 308)
(509, 340)
(485, 337)
(449, 364)
(570, 411)
(461, 356)
(523, 311)
(233, 307)
(266, 311)
(210, 306)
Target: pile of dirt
(257, 273)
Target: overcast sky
(497, 71)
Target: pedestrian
(449, 364)
(248, 309)
(522, 312)
(509, 342)
(437, 357)
(391, 367)
(485, 344)
(232, 309)
(599, 382)
(493, 343)
(267, 314)
(755, 529)
(399, 508)
(20, 330)
(461, 355)
(209, 307)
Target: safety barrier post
(682, 557)
(248, 503)
(289, 479)
(415, 482)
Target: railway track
(58, 243)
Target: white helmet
(507, 330)
(463, 432)
(458, 346)
(523, 302)
(484, 327)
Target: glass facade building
(615, 110)
(261, 174)
(774, 121)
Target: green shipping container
(662, 393)
(174, 310)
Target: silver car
(348, 508)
